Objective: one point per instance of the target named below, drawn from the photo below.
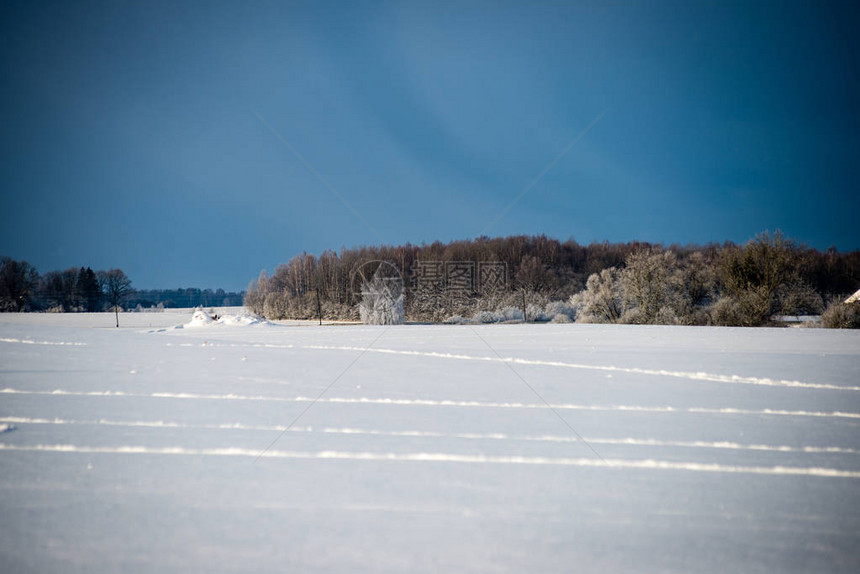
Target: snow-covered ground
(498, 448)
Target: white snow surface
(222, 446)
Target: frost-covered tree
(275, 306)
(645, 284)
(694, 286)
(757, 276)
(530, 275)
(255, 295)
(602, 299)
(382, 302)
(555, 308)
(535, 312)
(841, 315)
(539, 269)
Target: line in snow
(433, 434)
(52, 343)
(696, 376)
(649, 464)
(723, 445)
(442, 403)
(689, 375)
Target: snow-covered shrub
(498, 300)
(484, 317)
(751, 307)
(799, 299)
(839, 315)
(509, 314)
(556, 308)
(535, 313)
(561, 318)
(693, 289)
(433, 308)
(666, 316)
(332, 311)
(577, 304)
(727, 312)
(654, 288)
(456, 320)
(632, 316)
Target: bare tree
(60, 290)
(116, 287)
(529, 279)
(17, 281)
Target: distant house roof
(854, 298)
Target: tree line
(544, 278)
(80, 289)
(22, 288)
(185, 298)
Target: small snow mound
(203, 319)
(200, 319)
(244, 319)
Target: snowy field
(499, 448)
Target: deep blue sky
(156, 136)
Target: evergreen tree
(88, 290)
